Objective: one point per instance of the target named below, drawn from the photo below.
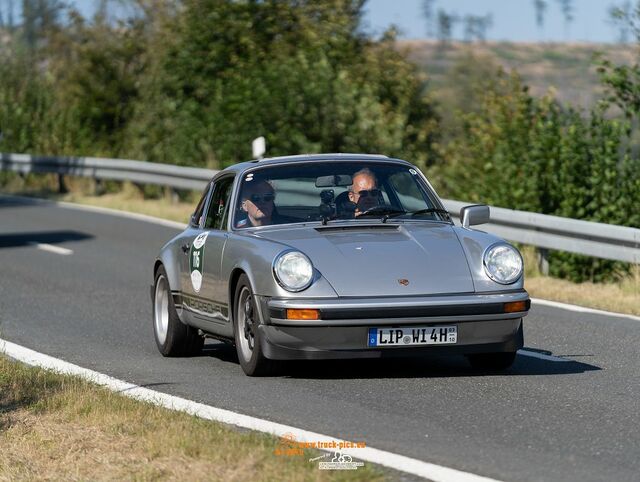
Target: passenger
(256, 201)
(364, 192)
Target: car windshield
(334, 190)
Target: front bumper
(483, 326)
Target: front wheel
(492, 361)
(173, 337)
(247, 336)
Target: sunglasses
(259, 198)
(371, 192)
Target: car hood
(383, 259)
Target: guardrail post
(543, 261)
(62, 188)
(98, 187)
(173, 193)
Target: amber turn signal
(515, 306)
(303, 314)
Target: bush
(532, 154)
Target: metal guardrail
(178, 177)
(544, 231)
(607, 241)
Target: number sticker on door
(196, 261)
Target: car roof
(241, 167)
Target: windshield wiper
(420, 211)
(386, 211)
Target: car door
(207, 299)
(185, 242)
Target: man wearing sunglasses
(364, 192)
(257, 202)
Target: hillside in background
(565, 67)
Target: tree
(98, 66)
(39, 19)
(428, 14)
(10, 15)
(623, 81)
(303, 75)
(446, 22)
(528, 153)
(566, 7)
(620, 17)
(540, 7)
(6, 17)
(476, 26)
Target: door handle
(185, 248)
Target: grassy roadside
(127, 197)
(621, 297)
(58, 427)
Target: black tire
(248, 347)
(492, 361)
(173, 337)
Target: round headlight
(503, 263)
(293, 270)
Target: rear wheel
(247, 336)
(173, 337)
(492, 361)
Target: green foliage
(462, 90)
(193, 84)
(298, 73)
(532, 154)
(97, 68)
(623, 83)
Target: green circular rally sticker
(196, 261)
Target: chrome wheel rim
(161, 309)
(246, 324)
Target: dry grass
(621, 297)
(568, 68)
(55, 427)
(127, 197)
(163, 207)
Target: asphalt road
(541, 420)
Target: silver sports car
(336, 256)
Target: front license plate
(413, 335)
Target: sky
(513, 20)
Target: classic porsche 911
(336, 256)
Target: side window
(408, 191)
(198, 213)
(219, 206)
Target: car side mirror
(474, 214)
(193, 221)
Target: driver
(257, 202)
(364, 192)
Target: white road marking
(542, 356)
(582, 309)
(402, 463)
(53, 249)
(124, 214)
(98, 209)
